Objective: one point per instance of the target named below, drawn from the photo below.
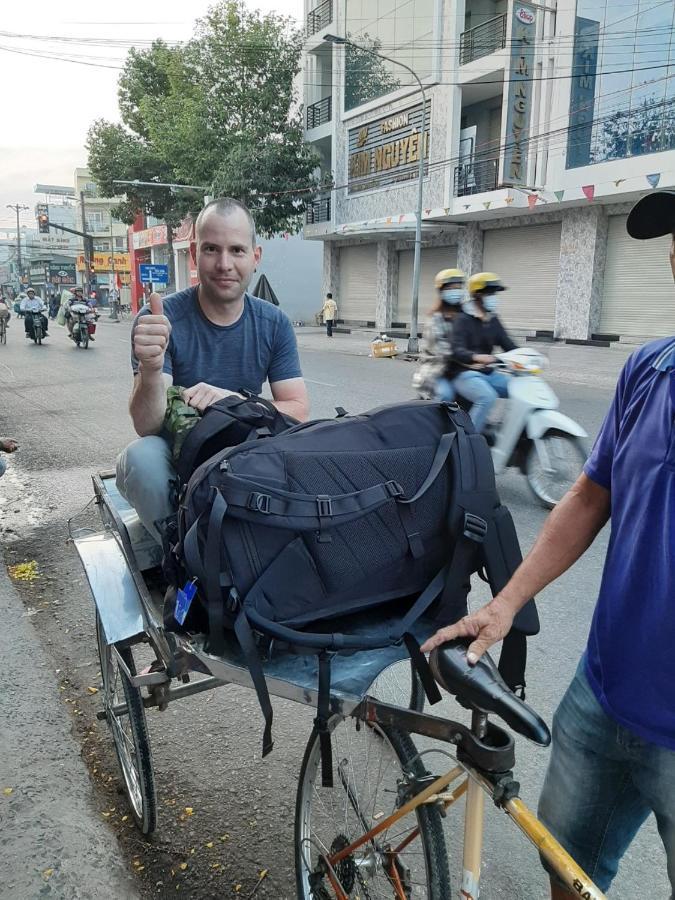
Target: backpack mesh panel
(376, 540)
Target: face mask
(490, 303)
(452, 296)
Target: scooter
(84, 325)
(534, 436)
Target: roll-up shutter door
(638, 297)
(358, 283)
(433, 260)
(528, 262)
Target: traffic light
(42, 211)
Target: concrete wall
(294, 269)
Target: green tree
(220, 110)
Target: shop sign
(62, 273)
(101, 262)
(387, 150)
(582, 100)
(149, 237)
(523, 32)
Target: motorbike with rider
(430, 379)
(35, 321)
(80, 318)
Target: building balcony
(319, 113)
(483, 40)
(319, 18)
(477, 177)
(318, 211)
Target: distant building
(544, 123)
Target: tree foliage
(219, 111)
(366, 75)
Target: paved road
(67, 408)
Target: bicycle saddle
(482, 687)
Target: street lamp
(412, 340)
(174, 188)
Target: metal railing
(320, 112)
(318, 211)
(319, 17)
(476, 177)
(482, 40)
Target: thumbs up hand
(151, 337)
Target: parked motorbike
(84, 325)
(533, 435)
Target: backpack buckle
(259, 502)
(394, 488)
(324, 506)
(475, 528)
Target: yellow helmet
(449, 276)
(485, 281)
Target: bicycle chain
(362, 884)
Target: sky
(49, 103)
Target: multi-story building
(544, 123)
(111, 258)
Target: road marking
(322, 383)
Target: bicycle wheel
(3, 332)
(399, 685)
(130, 733)
(368, 763)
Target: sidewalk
(53, 842)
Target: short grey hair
(225, 206)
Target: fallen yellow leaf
(188, 810)
(47, 873)
(105, 815)
(210, 844)
(27, 571)
(237, 888)
(7, 791)
(92, 690)
(183, 866)
(124, 818)
(263, 874)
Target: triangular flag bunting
(559, 195)
(467, 206)
(447, 211)
(508, 200)
(619, 181)
(654, 179)
(532, 200)
(427, 212)
(487, 203)
(589, 191)
(401, 218)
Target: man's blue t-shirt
(260, 346)
(630, 660)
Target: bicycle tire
(400, 685)
(138, 774)
(398, 747)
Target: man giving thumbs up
(213, 339)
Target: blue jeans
(147, 479)
(482, 391)
(601, 785)
(444, 390)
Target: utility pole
(112, 292)
(17, 207)
(87, 253)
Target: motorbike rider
(78, 297)
(475, 334)
(431, 377)
(31, 304)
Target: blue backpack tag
(184, 598)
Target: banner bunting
(589, 191)
(654, 179)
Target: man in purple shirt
(613, 758)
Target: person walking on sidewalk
(613, 757)
(329, 313)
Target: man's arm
(147, 404)
(567, 534)
(291, 397)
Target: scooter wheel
(552, 472)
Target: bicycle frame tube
(558, 858)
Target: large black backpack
(392, 509)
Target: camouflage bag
(179, 420)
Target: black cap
(653, 216)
